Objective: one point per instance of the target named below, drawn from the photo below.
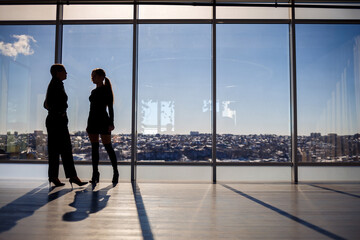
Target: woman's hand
(111, 127)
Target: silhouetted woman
(59, 142)
(100, 122)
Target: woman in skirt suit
(101, 122)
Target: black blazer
(56, 98)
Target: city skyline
(193, 147)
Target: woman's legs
(94, 139)
(106, 139)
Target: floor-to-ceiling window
(174, 102)
(328, 75)
(253, 93)
(26, 54)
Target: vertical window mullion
(214, 93)
(59, 33)
(293, 97)
(134, 95)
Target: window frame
(292, 21)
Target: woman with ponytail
(101, 122)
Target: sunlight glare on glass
(27, 12)
(252, 13)
(316, 13)
(174, 12)
(77, 12)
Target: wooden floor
(30, 210)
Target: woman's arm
(111, 115)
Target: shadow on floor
(27, 204)
(86, 202)
(285, 214)
(333, 190)
(143, 218)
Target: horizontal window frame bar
(182, 21)
(218, 163)
(252, 21)
(97, 21)
(327, 21)
(120, 2)
(330, 164)
(174, 21)
(150, 21)
(31, 22)
(330, 6)
(333, 5)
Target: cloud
(21, 46)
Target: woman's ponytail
(101, 72)
(108, 84)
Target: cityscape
(194, 147)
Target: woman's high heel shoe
(56, 182)
(115, 177)
(77, 181)
(95, 178)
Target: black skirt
(98, 124)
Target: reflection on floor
(30, 210)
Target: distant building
(38, 132)
(315, 135)
(194, 133)
(332, 135)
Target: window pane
(328, 75)
(98, 46)
(27, 12)
(76, 12)
(252, 13)
(318, 13)
(174, 92)
(253, 92)
(174, 12)
(26, 54)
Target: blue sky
(253, 74)
(175, 65)
(24, 76)
(328, 63)
(86, 47)
(175, 76)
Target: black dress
(99, 119)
